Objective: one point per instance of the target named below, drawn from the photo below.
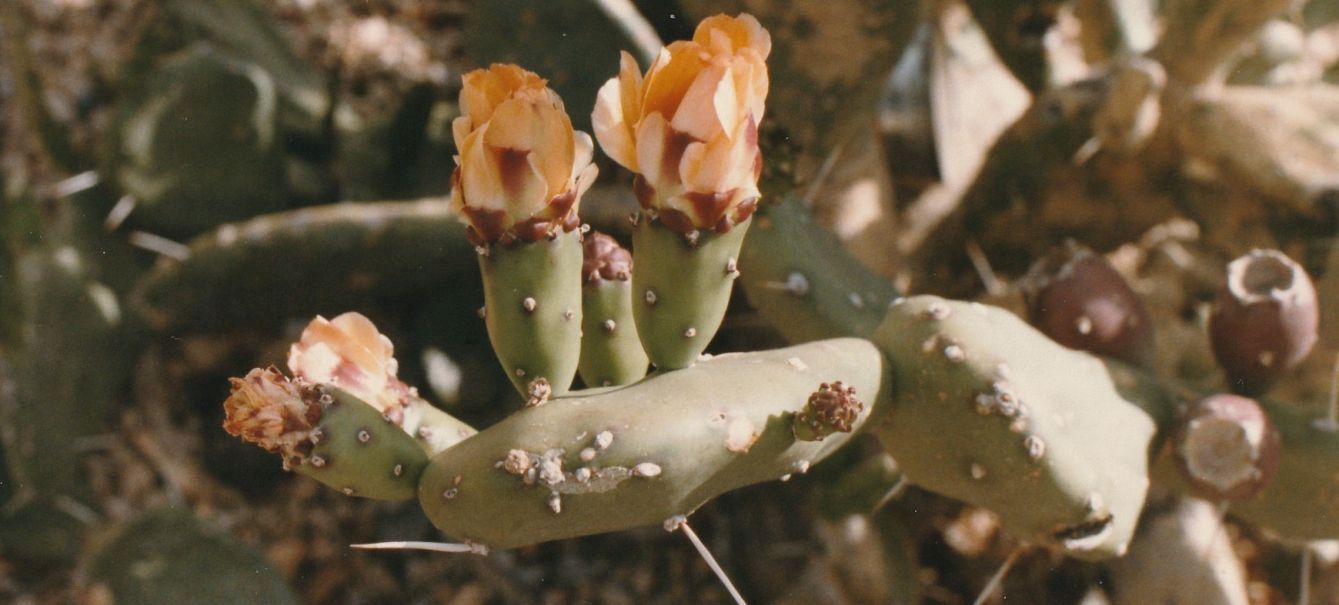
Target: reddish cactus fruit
(1227, 448)
(1078, 299)
(1265, 320)
(605, 259)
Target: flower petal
(611, 125)
(583, 150)
(671, 75)
(726, 34)
(698, 114)
(652, 138)
(719, 165)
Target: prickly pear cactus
(1040, 434)
(643, 454)
(1298, 504)
(790, 273)
(231, 278)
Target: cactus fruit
(689, 129)
(518, 183)
(325, 433)
(1264, 321)
(1299, 503)
(434, 429)
(1078, 299)
(1044, 436)
(1227, 448)
(350, 353)
(611, 353)
(681, 288)
(642, 454)
(801, 285)
(532, 306)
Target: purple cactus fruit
(1227, 448)
(1078, 299)
(1265, 320)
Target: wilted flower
(604, 259)
(690, 127)
(349, 352)
(522, 168)
(268, 409)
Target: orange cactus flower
(521, 168)
(349, 352)
(689, 128)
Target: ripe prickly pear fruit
(611, 353)
(1227, 448)
(681, 288)
(1078, 299)
(1264, 321)
(325, 433)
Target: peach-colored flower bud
(690, 127)
(268, 409)
(349, 352)
(521, 168)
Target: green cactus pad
(641, 454)
(611, 353)
(992, 412)
(802, 282)
(434, 429)
(323, 259)
(361, 453)
(680, 290)
(532, 306)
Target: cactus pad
(1040, 434)
(641, 454)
